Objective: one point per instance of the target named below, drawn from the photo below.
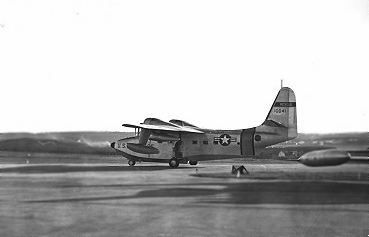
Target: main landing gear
(131, 162)
(193, 162)
(173, 163)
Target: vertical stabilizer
(283, 112)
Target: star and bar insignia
(225, 139)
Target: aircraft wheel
(173, 163)
(193, 162)
(131, 162)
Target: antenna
(281, 83)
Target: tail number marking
(279, 110)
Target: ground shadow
(308, 193)
(82, 168)
(273, 175)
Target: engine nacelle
(139, 148)
(182, 123)
(324, 158)
(163, 138)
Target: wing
(158, 130)
(159, 125)
(162, 128)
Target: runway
(112, 199)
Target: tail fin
(283, 112)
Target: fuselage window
(205, 142)
(194, 142)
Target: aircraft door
(178, 149)
(247, 142)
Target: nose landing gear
(131, 162)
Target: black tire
(193, 162)
(131, 162)
(173, 163)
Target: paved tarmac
(105, 199)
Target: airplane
(177, 141)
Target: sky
(77, 65)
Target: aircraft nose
(112, 145)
